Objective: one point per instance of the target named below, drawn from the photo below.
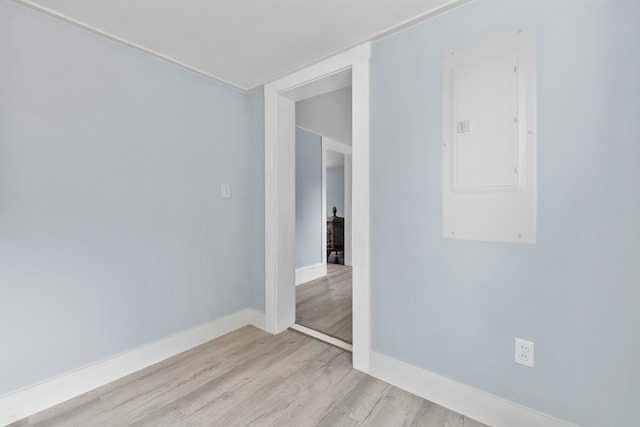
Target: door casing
(280, 98)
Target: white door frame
(280, 97)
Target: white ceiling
(245, 43)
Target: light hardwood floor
(251, 378)
(325, 304)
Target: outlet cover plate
(524, 352)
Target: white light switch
(225, 190)
(464, 126)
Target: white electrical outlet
(524, 352)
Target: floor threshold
(322, 337)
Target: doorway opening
(323, 217)
(280, 235)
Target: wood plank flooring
(251, 378)
(325, 304)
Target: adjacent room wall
(328, 115)
(112, 229)
(308, 198)
(454, 307)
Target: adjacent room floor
(249, 377)
(325, 304)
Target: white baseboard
(310, 272)
(256, 318)
(36, 398)
(459, 397)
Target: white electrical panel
(489, 147)
(485, 156)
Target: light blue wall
(112, 229)
(335, 190)
(308, 198)
(454, 307)
(254, 158)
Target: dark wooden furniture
(335, 236)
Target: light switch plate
(225, 190)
